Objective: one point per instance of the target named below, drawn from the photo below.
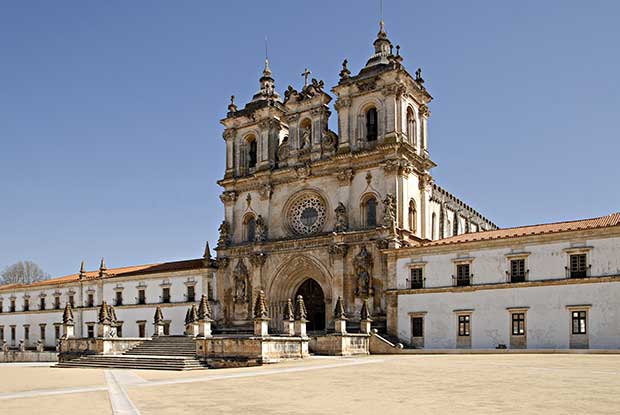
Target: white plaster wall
(548, 319)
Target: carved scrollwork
(345, 176)
(338, 250)
(229, 196)
(258, 259)
(265, 191)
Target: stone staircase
(162, 353)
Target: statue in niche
(306, 137)
(342, 219)
(224, 238)
(240, 276)
(363, 269)
(261, 230)
(389, 212)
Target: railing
(510, 277)
(415, 284)
(463, 280)
(581, 273)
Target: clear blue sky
(109, 111)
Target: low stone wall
(380, 345)
(74, 348)
(14, 356)
(235, 351)
(336, 344)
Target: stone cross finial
(260, 307)
(345, 72)
(339, 313)
(306, 73)
(289, 314)
(418, 76)
(67, 315)
(82, 270)
(102, 268)
(300, 309)
(232, 107)
(159, 316)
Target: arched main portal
(314, 299)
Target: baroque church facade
(307, 209)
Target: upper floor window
(456, 225)
(369, 210)
(12, 306)
(165, 295)
(413, 219)
(433, 225)
(191, 293)
(517, 270)
(57, 302)
(42, 303)
(141, 298)
(26, 304)
(578, 266)
(90, 302)
(252, 149)
(417, 279)
(1, 305)
(250, 228)
(411, 127)
(371, 124)
(119, 298)
(463, 277)
(71, 300)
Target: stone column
(300, 317)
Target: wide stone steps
(135, 362)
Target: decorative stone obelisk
(289, 319)
(67, 322)
(204, 317)
(191, 321)
(340, 318)
(261, 315)
(300, 317)
(365, 318)
(104, 327)
(158, 322)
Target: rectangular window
(119, 330)
(578, 267)
(42, 328)
(165, 295)
(26, 333)
(167, 329)
(579, 322)
(417, 326)
(119, 298)
(141, 298)
(1, 307)
(13, 333)
(518, 324)
(417, 280)
(462, 275)
(12, 309)
(141, 330)
(191, 293)
(1, 333)
(90, 329)
(464, 325)
(57, 302)
(517, 270)
(71, 298)
(90, 301)
(42, 303)
(26, 305)
(56, 332)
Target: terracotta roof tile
(602, 222)
(115, 272)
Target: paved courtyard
(458, 384)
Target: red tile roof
(575, 225)
(115, 272)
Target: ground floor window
(464, 325)
(90, 330)
(57, 332)
(26, 333)
(518, 324)
(417, 326)
(141, 329)
(42, 328)
(579, 322)
(13, 336)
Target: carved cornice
(229, 196)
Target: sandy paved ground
(458, 384)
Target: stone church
(308, 209)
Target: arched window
(369, 212)
(456, 224)
(249, 228)
(252, 152)
(433, 220)
(371, 124)
(413, 217)
(449, 227)
(411, 130)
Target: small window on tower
(250, 228)
(369, 208)
(252, 152)
(371, 124)
(411, 127)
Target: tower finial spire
(267, 70)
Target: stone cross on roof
(306, 73)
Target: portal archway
(314, 299)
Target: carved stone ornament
(367, 86)
(342, 218)
(391, 166)
(240, 277)
(229, 196)
(224, 239)
(345, 176)
(229, 133)
(265, 191)
(362, 264)
(389, 212)
(258, 259)
(284, 150)
(222, 262)
(338, 250)
(424, 111)
(261, 229)
(343, 102)
(303, 171)
(329, 139)
(382, 243)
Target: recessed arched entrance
(314, 299)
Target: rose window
(307, 215)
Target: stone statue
(224, 239)
(389, 212)
(240, 275)
(40, 346)
(305, 138)
(22, 346)
(342, 219)
(261, 230)
(362, 264)
(5, 347)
